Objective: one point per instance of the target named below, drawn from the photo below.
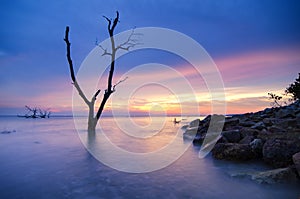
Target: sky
(254, 44)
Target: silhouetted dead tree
(36, 113)
(92, 118)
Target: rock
(265, 135)
(190, 132)
(248, 132)
(247, 139)
(194, 123)
(296, 160)
(198, 140)
(189, 135)
(287, 123)
(276, 129)
(185, 126)
(285, 113)
(247, 123)
(257, 146)
(278, 152)
(233, 121)
(222, 139)
(232, 151)
(268, 121)
(232, 136)
(216, 120)
(268, 111)
(281, 175)
(258, 126)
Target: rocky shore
(271, 135)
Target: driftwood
(36, 113)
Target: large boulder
(278, 152)
(232, 136)
(281, 175)
(232, 151)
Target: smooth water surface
(45, 158)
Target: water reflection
(125, 152)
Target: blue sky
(32, 51)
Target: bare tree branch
(66, 39)
(75, 83)
(119, 82)
(104, 50)
(80, 92)
(109, 22)
(115, 22)
(130, 42)
(108, 90)
(95, 95)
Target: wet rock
(296, 160)
(232, 136)
(278, 152)
(281, 175)
(232, 151)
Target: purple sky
(255, 44)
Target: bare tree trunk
(92, 118)
(92, 121)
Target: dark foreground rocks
(271, 135)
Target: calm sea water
(47, 158)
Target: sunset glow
(258, 53)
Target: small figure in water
(175, 121)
